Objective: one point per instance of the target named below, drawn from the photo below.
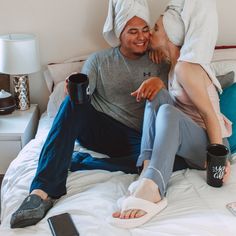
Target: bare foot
(147, 190)
(145, 165)
(40, 193)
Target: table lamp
(19, 56)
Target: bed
(194, 207)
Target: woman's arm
(194, 80)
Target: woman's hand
(148, 89)
(227, 171)
(156, 56)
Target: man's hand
(66, 87)
(148, 89)
(66, 83)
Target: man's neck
(131, 56)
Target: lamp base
(21, 92)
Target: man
(120, 79)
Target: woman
(184, 119)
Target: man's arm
(90, 68)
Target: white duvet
(195, 209)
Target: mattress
(194, 207)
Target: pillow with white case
(55, 99)
(60, 71)
(224, 61)
(57, 72)
(224, 54)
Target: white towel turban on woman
(193, 25)
(119, 13)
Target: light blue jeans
(167, 131)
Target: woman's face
(158, 39)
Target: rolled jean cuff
(145, 155)
(52, 191)
(156, 176)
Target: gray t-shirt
(112, 78)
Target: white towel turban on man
(193, 25)
(119, 13)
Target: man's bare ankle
(40, 193)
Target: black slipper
(31, 211)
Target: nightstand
(16, 130)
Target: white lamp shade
(19, 54)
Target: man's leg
(51, 174)
(84, 161)
(95, 130)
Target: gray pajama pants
(167, 131)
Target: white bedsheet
(195, 209)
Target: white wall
(68, 28)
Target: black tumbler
(216, 161)
(78, 88)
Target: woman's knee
(169, 112)
(162, 97)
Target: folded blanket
(119, 13)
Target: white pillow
(78, 58)
(57, 72)
(55, 76)
(224, 54)
(224, 61)
(60, 71)
(49, 80)
(224, 67)
(55, 99)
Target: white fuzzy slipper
(137, 203)
(133, 186)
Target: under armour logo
(146, 74)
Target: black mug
(78, 88)
(216, 162)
